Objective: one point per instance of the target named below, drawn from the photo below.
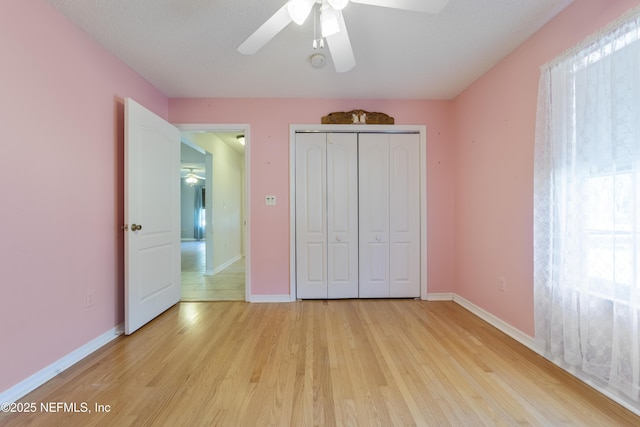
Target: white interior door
(404, 216)
(327, 215)
(389, 191)
(311, 219)
(342, 215)
(373, 168)
(152, 202)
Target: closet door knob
(338, 239)
(378, 238)
(136, 227)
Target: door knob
(136, 227)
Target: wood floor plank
(320, 363)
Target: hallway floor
(227, 285)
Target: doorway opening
(214, 212)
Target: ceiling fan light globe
(338, 4)
(329, 22)
(299, 10)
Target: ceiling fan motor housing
(317, 60)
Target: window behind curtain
(587, 208)
(606, 125)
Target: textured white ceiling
(187, 48)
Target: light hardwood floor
(227, 285)
(320, 363)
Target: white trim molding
(499, 324)
(39, 378)
(223, 266)
(494, 321)
(270, 298)
(443, 296)
(529, 342)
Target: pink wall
(270, 119)
(495, 131)
(61, 172)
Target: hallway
(227, 285)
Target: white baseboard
(444, 296)
(36, 380)
(223, 266)
(514, 333)
(597, 385)
(503, 326)
(270, 298)
(529, 342)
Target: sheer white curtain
(587, 208)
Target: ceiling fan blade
(340, 48)
(266, 32)
(427, 6)
(201, 178)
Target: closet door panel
(314, 257)
(404, 215)
(342, 215)
(311, 231)
(373, 184)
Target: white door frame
(245, 129)
(420, 129)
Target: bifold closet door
(389, 219)
(326, 215)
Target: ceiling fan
(191, 178)
(332, 25)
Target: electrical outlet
(270, 200)
(90, 298)
(502, 284)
